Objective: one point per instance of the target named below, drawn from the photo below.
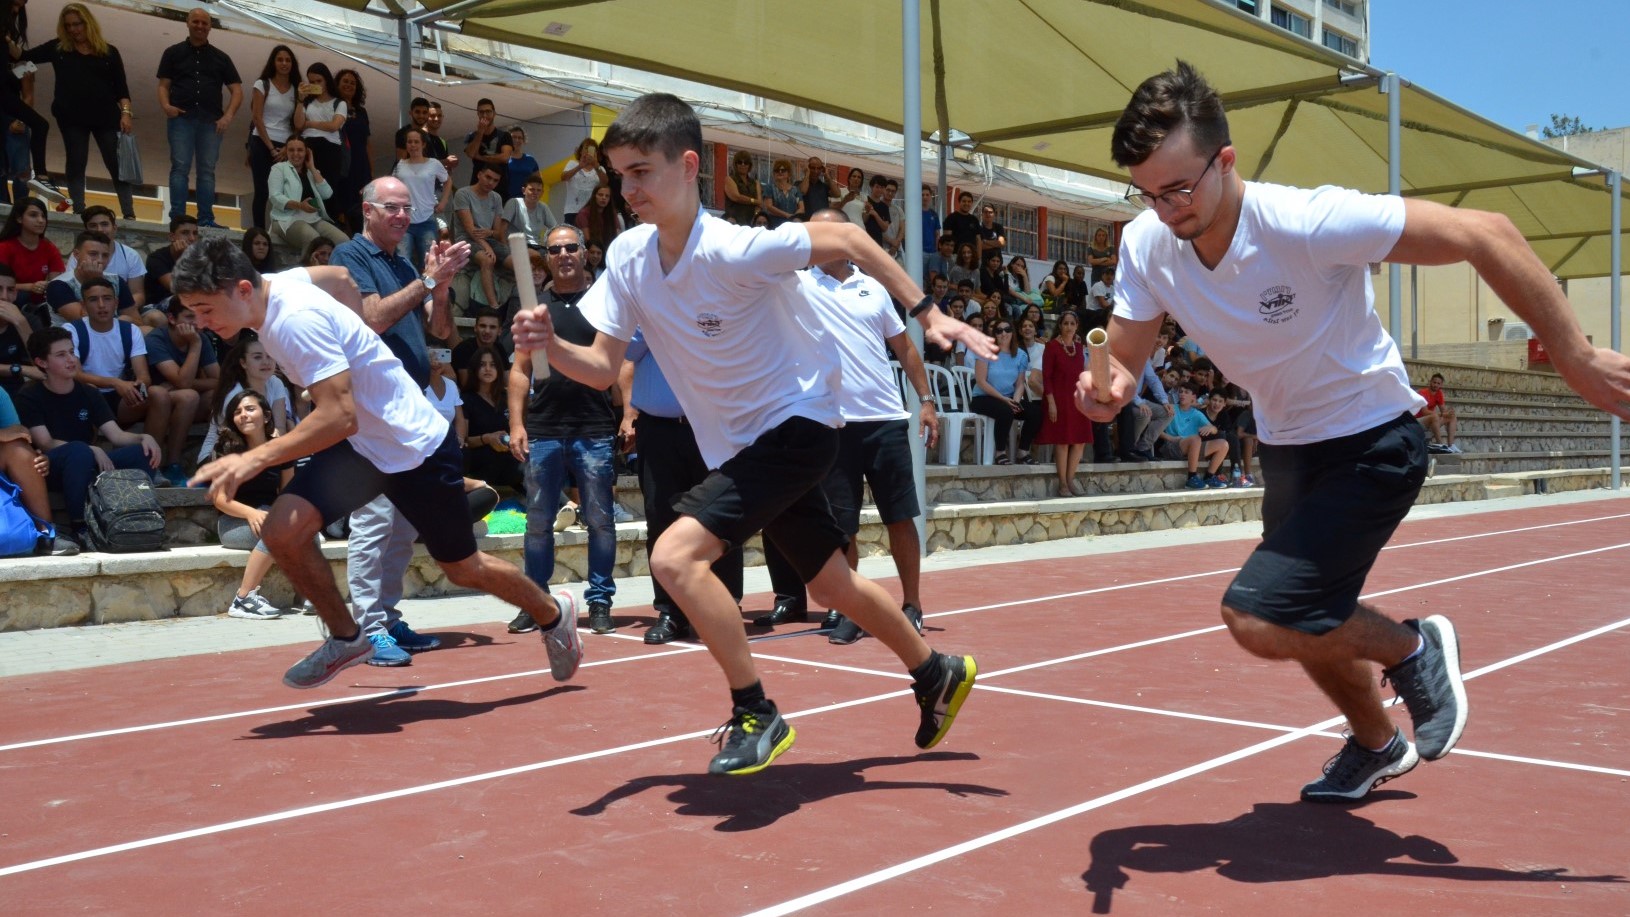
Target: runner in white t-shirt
(371, 432)
(749, 356)
(1274, 283)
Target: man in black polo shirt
(565, 428)
(191, 76)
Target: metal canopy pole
(1614, 182)
(911, 116)
(1393, 87)
(404, 70)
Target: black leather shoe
(845, 633)
(785, 610)
(832, 619)
(667, 630)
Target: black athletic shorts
(774, 486)
(875, 452)
(1327, 510)
(338, 480)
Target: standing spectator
(487, 424)
(275, 115)
(1438, 417)
(1066, 429)
(583, 174)
(325, 119)
(246, 366)
(520, 165)
(781, 199)
(876, 215)
(435, 147)
(32, 257)
(64, 417)
(478, 214)
(92, 100)
(599, 220)
(994, 282)
(423, 176)
(17, 101)
(1101, 254)
(357, 161)
(125, 263)
(931, 224)
(418, 114)
(16, 368)
(896, 237)
(853, 200)
(741, 192)
(393, 295)
(992, 235)
(566, 428)
(999, 385)
(530, 216)
(487, 144)
(242, 514)
(963, 225)
(161, 261)
(24, 466)
(813, 186)
(300, 190)
(191, 77)
(257, 245)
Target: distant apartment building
(1341, 25)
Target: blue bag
(18, 534)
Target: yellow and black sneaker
(942, 699)
(749, 741)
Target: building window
(1336, 41)
(1020, 223)
(704, 176)
(1249, 6)
(1292, 22)
(1346, 6)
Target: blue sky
(1513, 63)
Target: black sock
(752, 698)
(929, 672)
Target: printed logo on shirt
(1278, 305)
(84, 414)
(711, 324)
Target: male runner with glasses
(1274, 283)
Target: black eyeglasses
(1176, 199)
(569, 248)
(1004, 329)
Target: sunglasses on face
(570, 248)
(1004, 329)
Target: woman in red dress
(1066, 428)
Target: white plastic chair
(951, 400)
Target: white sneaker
(328, 660)
(566, 517)
(1452, 448)
(563, 642)
(46, 189)
(252, 606)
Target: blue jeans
(420, 236)
(192, 139)
(588, 461)
(16, 160)
(73, 468)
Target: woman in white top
(423, 176)
(325, 115)
(582, 175)
(247, 365)
(273, 119)
(298, 189)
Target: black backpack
(123, 514)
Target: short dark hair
(656, 122)
(94, 211)
(481, 102)
(489, 313)
(91, 235)
(39, 343)
(488, 167)
(6, 271)
(97, 282)
(419, 102)
(1191, 388)
(878, 181)
(1437, 376)
(1164, 104)
(211, 266)
(182, 220)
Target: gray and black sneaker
(600, 618)
(522, 623)
(562, 641)
(1431, 687)
(846, 632)
(941, 701)
(749, 741)
(1355, 770)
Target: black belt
(682, 421)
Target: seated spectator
(478, 213)
(993, 280)
(161, 261)
(63, 293)
(247, 366)
(486, 413)
(529, 215)
(298, 192)
(257, 245)
(429, 190)
(1142, 421)
(999, 384)
(1077, 290)
(965, 270)
(64, 417)
(316, 253)
(182, 361)
(1189, 437)
(32, 257)
(113, 357)
(943, 259)
(26, 468)
(1101, 300)
(15, 329)
(594, 259)
(445, 398)
(1018, 283)
(125, 263)
(243, 514)
(1438, 417)
(1053, 286)
(599, 218)
(488, 328)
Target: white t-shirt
(125, 264)
(277, 111)
(579, 188)
(107, 354)
(449, 402)
(741, 345)
(324, 111)
(1100, 289)
(421, 179)
(275, 391)
(861, 317)
(1035, 352)
(1288, 314)
(313, 337)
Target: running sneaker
(1452, 449)
(48, 190)
(1217, 482)
(600, 618)
(1195, 482)
(386, 652)
(1355, 770)
(523, 623)
(252, 606)
(562, 641)
(941, 701)
(326, 661)
(914, 615)
(620, 515)
(1247, 481)
(749, 741)
(1431, 687)
(411, 640)
(1438, 448)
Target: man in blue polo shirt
(393, 304)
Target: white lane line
(995, 837)
(1517, 531)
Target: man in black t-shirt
(161, 263)
(566, 428)
(487, 143)
(992, 235)
(963, 225)
(488, 327)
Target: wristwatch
(16, 370)
(429, 281)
